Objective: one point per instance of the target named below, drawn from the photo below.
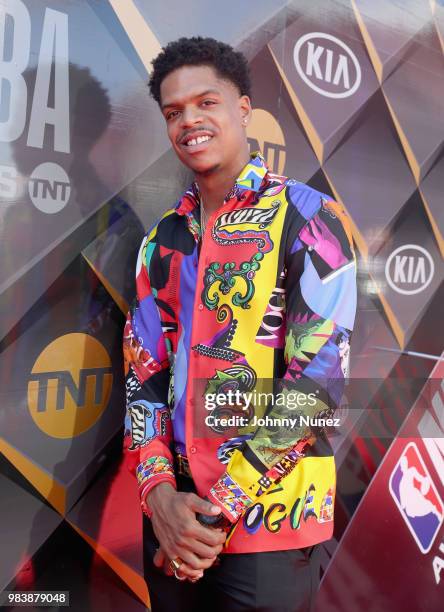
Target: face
(206, 119)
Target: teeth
(197, 140)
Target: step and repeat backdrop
(348, 97)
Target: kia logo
(327, 65)
(409, 269)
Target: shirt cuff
(230, 497)
(150, 473)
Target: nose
(191, 115)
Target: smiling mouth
(197, 141)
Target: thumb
(204, 506)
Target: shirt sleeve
(148, 430)
(320, 306)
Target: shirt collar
(250, 179)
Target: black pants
(278, 581)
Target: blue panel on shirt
(146, 324)
(305, 199)
(188, 275)
(333, 299)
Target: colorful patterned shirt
(236, 348)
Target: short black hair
(198, 51)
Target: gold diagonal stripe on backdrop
(45, 483)
(134, 580)
(119, 299)
(364, 250)
(140, 34)
(357, 235)
(371, 49)
(440, 36)
(391, 316)
(435, 21)
(318, 147)
(413, 162)
(309, 128)
(381, 72)
(438, 234)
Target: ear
(245, 110)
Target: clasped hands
(180, 535)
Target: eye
(208, 102)
(171, 115)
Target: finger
(184, 570)
(194, 579)
(210, 537)
(201, 550)
(197, 504)
(159, 558)
(193, 561)
(189, 573)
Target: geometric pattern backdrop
(347, 97)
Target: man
(246, 285)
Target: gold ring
(175, 564)
(174, 567)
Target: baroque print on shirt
(265, 300)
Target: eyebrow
(200, 95)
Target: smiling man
(247, 283)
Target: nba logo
(412, 488)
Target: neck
(217, 182)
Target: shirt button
(310, 248)
(200, 306)
(193, 449)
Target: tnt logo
(412, 488)
(70, 385)
(49, 187)
(409, 269)
(265, 134)
(327, 65)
